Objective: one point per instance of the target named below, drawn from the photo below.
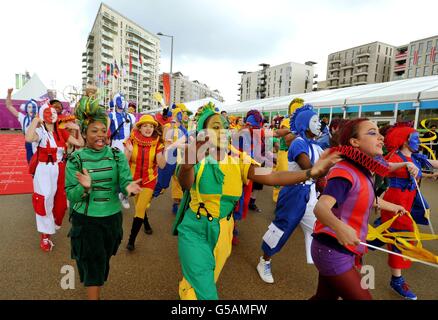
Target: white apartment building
(276, 81)
(184, 90)
(419, 58)
(365, 64)
(112, 40)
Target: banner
(166, 88)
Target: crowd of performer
(91, 161)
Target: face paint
(217, 132)
(29, 109)
(315, 125)
(414, 141)
(50, 115)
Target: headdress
(88, 111)
(299, 122)
(254, 118)
(32, 102)
(206, 112)
(397, 135)
(294, 105)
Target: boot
(45, 243)
(147, 226)
(136, 226)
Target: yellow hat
(147, 118)
(294, 105)
(285, 123)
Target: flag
(166, 88)
(139, 57)
(123, 67)
(108, 69)
(415, 57)
(116, 70)
(432, 55)
(112, 69)
(130, 62)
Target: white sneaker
(124, 200)
(264, 269)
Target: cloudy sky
(213, 39)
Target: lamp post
(171, 64)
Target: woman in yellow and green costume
(213, 183)
(286, 138)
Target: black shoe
(147, 226)
(253, 207)
(130, 247)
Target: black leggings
(346, 286)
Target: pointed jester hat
(89, 111)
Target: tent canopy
(416, 89)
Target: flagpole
(138, 78)
(129, 73)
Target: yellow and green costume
(204, 222)
(206, 231)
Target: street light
(171, 64)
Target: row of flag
(115, 71)
(431, 58)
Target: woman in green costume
(93, 177)
(213, 182)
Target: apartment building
(276, 81)
(417, 59)
(185, 90)
(365, 64)
(113, 39)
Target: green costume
(96, 219)
(204, 222)
(108, 169)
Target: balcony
(346, 66)
(345, 84)
(111, 20)
(334, 67)
(362, 63)
(108, 26)
(334, 86)
(360, 81)
(107, 44)
(333, 77)
(360, 73)
(401, 56)
(107, 53)
(363, 54)
(335, 60)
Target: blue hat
(299, 122)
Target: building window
(426, 62)
(428, 46)
(426, 71)
(435, 69)
(412, 50)
(410, 73)
(390, 53)
(375, 77)
(420, 60)
(379, 49)
(418, 72)
(384, 69)
(385, 59)
(420, 47)
(386, 51)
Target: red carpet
(14, 178)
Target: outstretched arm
(9, 105)
(283, 178)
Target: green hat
(89, 111)
(206, 112)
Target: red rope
(364, 160)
